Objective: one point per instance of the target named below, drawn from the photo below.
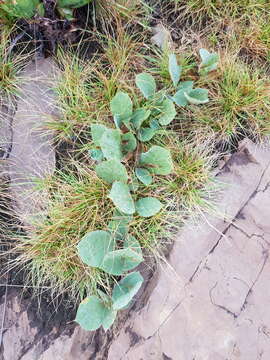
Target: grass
(86, 87)
(239, 102)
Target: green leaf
(119, 261)
(174, 69)
(121, 197)
(92, 313)
(197, 96)
(97, 130)
(109, 319)
(180, 99)
(126, 289)
(110, 143)
(121, 107)
(129, 142)
(184, 87)
(209, 61)
(154, 124)
(167, 112)
(146, 83)
(146, 134)
(158, 160)
(148, 206)
(144, 176)
(119, 225)
(139, 116)
(21, 8)
(112, 170)
(96, 154)
(93, 247)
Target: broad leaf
(184, 87)
(174, 69)
(97, 130)
(146, 83)
(209, 61)
(167, 112)
(112, 170)
(158, 160)
(154, 124)
(93, 247)
(121, 107)
(126, 289)
(121, 197)
(129, 142)
(197, 96)
(96, 154)
(119, 261)
(146, 134)
(139, 116)
(148, 206)
(109, 319)
(92, 313)
(144, 176)
(110, 143)
(187, 86)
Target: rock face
(211, 300)
(32, 155)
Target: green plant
(21, 9)
(115, 251)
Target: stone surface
(211, 299)
(32, 155)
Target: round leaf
(126, 289)
(121, 197)
(167, 112)
(146, 134)
(197, 96)
(158, 160)
(92, 313)
(93, 247)
(110, 143)
(139, 116)
(144, 176)
(121, 106)
(119, 261)
(96, 154)
(146, 83)
(148, 206)
(97, 130)
(112, 170)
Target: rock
(32, 155)
(211, 299)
